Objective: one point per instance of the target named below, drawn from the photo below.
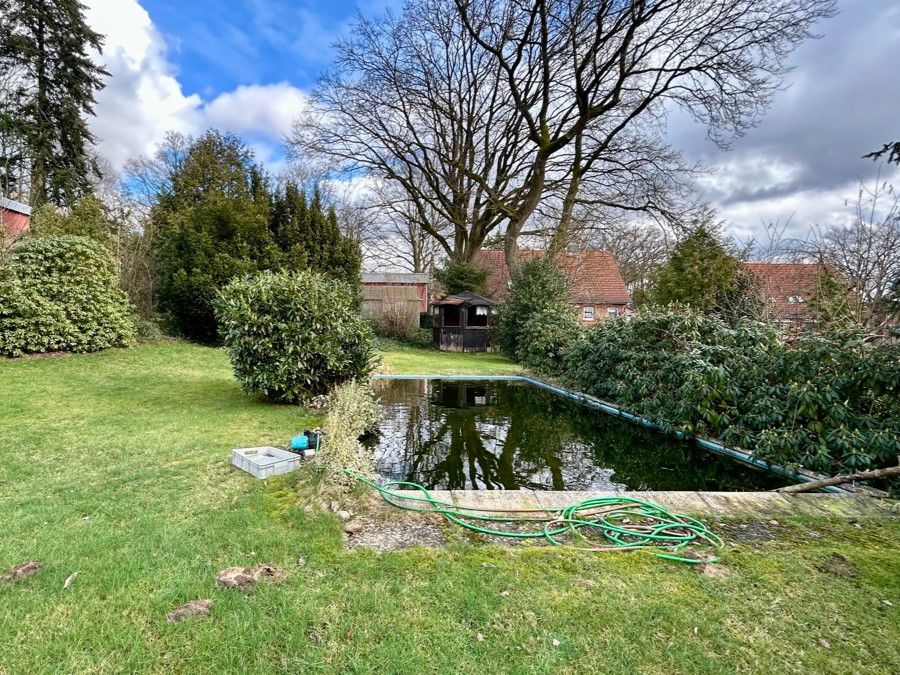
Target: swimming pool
(499, 434)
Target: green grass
(401, 359)
(115, 465)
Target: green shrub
(149, 329)
(547, 336)
(293, 335)
(826, 402)
(62, 294)
(539, 287)
(457, 276)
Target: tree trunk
(563, 231)
(535, 190)
(38, 187)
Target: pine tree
(44, 54)
(310, 236)
(699, 270)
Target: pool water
(508, 435)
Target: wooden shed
(463, 322)
(395, 294)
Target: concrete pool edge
(801, 476)
(705, 504)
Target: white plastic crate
(265, 462)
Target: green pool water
(508, 435)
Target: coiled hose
(615, 523)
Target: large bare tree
(482, 109)
(415, 101)
(598, 69)
(865, 251)
(397, 236)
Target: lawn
(116, 466)
(397, 358)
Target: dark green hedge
(827, 402)
(291, 335)
(62, 294)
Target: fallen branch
(839, 480)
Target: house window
(587, 313)
(612, 311)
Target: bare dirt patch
(837, 565)
(245, 578)
(394, 535)
(715, 571)
(195, 609)
(22, 571)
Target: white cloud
(143, 98)
(805, 158)
(256, 108)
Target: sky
(247, 66)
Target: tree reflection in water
(509, 435)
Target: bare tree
(150, 177)
(580, 70)
(397, 237)
(865, 252)
(639, 248)
(482, 109)
(414, 100)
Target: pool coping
(801, 476)
(705, 504)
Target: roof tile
(594, 275)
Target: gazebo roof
(466, 299)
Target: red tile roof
(788, 287)
(594, 275)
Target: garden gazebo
(462, 323)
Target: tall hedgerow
(827, 402)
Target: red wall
(14, 224)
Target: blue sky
(247, 66)
(218, 45)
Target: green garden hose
(622, 523)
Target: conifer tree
(211, 228)
(699, 270)
(44, 59)
(310, 236)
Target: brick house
(597, 289)
(788, 289)
(15, 219)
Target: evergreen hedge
(294, 335)
(829, 402)
(62, 294)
